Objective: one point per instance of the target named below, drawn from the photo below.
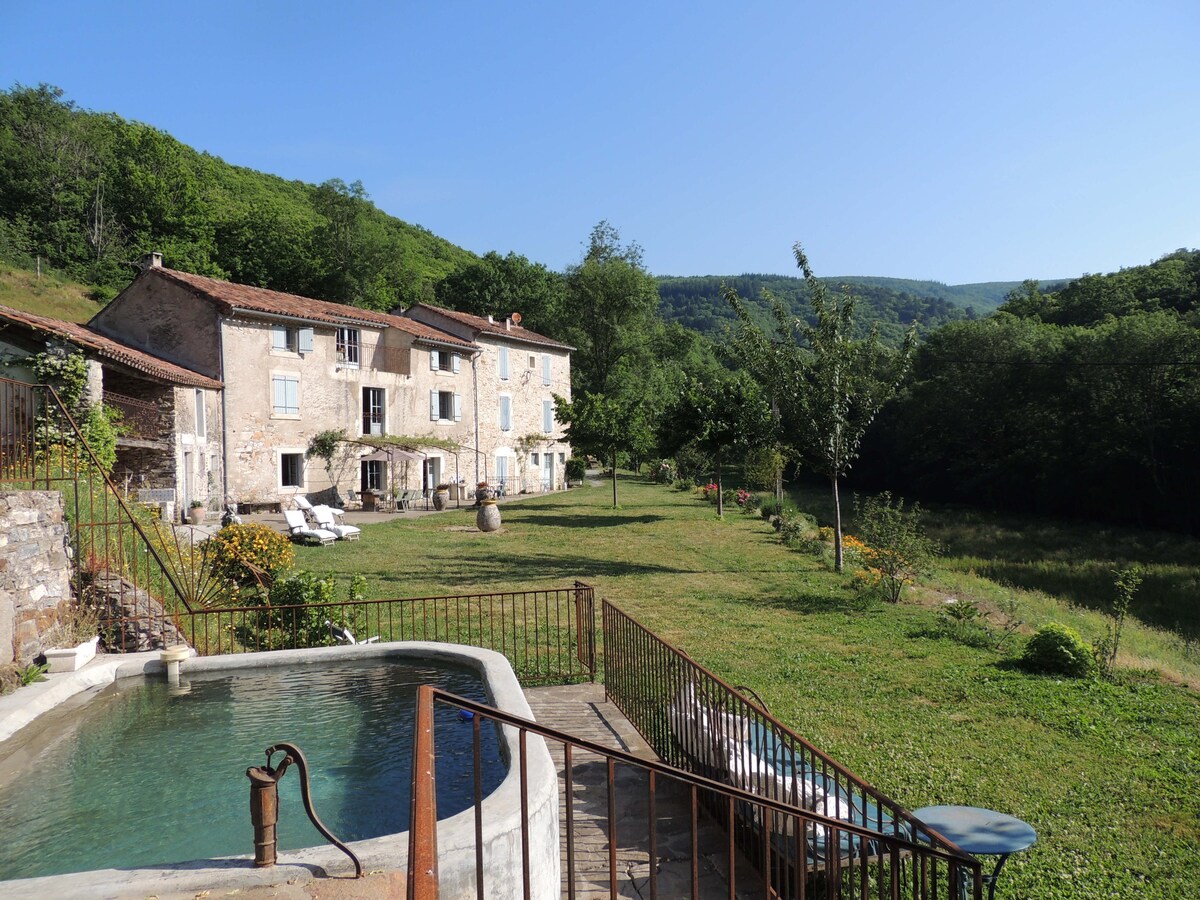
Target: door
(547, 471)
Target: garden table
(981, 832)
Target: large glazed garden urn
(441, 497)
(488, 517)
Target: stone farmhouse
(270, 370)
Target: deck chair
(305, 506)
(299, 530)
(325, 521)
(346, 636)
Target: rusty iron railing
(139, 419)
(547, 635)
(618, 812)
(122, 565)
(697, 722)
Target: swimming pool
(142, 777)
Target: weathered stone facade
(137, 620)
(35, 571)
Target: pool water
(140, 776)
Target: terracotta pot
(196, 515)
(488, 517)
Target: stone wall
(35, 570)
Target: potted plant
(197, 512)
(481, 492)
(71, 644)
(441, 496)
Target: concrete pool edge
(456, 835)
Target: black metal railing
(630, 826)
(697, 722)
(139, 419)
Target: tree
(610, 301)
(600, 425)
(725, 413)
(828, 385)
(496, 285)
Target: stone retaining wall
(35, 570)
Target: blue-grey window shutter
(306, 340)
(545, 368)
(547, 416)
(504, 364)
(454, 361)
(433, 405)
(458, 407)
(435, 362)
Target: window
(372, 475)
(292, 340)
(545, 368)
(443, 361)
(505, 413)
(533, 458)
(201, 423)
(532, 361)
(372, 410)
(285, 390)
(445, 406)
(291, 469)
(504, 364)
(547, 416)
(348, 347)
(502, 470)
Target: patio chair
(324, 517)
(346, 636)
(299, 530)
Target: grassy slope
(1107, 773)
(51, 295)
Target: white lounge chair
(346, 636)
(305, 506)
(298, 529)
(325, 521)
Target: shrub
(1058, 650)
(576, 468)
(895, 549)
(231, 548)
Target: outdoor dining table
(981, 832)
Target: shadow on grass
(587, 520)
(807, 603)
(531, 567)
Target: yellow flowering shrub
(235, 545)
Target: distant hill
(50, 295)
(892, 304)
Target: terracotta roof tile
(231, 297)
(85, 337)
(481, 324)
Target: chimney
(491, 321)
(150, 261)
(508, 324)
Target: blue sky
(946, 140)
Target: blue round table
(980, 831)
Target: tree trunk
(614, 474)
(720, 492)
(837, 526)
(779, 485)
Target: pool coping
(456, 835)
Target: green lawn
(1108, 774)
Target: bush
(1058, 650)
(231, 548)
(576, 468)
(895, 549)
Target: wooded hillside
(90, 192)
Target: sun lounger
(325, 521)
(299, 530)
(345, 635)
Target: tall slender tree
(828, 385)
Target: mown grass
(1108, 773)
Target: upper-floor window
(547, 416)
(443, 360)
(506, 422)
(285, 392)
(372, 410)
(349, 347)
(545, 368)
(445, 406)
(504, 364)
(201, 422)
(291, 339)
(532, 361)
